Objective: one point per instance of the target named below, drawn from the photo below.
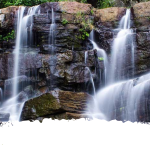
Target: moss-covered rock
(41, 106)
(55, 103)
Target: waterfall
(24, 31)
(91, 78)
(28, 26)
(122, 100)
(52, 31)
(122, 45)
(101, 54)
(22, 26)
(11, 105)
(1, 95)
(17, 48)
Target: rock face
(65, 69)
(42, 70)
(109, 14)
(108, 19)
(75, 7)
(141, 22)
(56, 104)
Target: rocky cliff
(42, 71)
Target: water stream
(122, 45)
(24, 27)
(101, 54)
(52, 31)
(1, 95)
(121, 100)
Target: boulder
(75, 7)
(142, 9)
(142, 15)
(109, 14)
(40, 106)
(55, 102)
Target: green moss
(43, 105)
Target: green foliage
(121, 108)
(6, 3)
(84, 34)
(105, 3)
(101, 58)
(10, 35)
(86, 25)
(83, 1)
(64, 21)
(92, 11)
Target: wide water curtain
(117, 100)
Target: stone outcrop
(61, 104)
(66, 67)
(7, 16)
(108, 19)
(42, 71)
(75, 7)
(142, 14)
(109, 14)
(141, 23)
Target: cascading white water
(28, 25)
(17, 48)
(12, 105)
(91, 78)
(52, 32)
(101, 53)
(121, 100)
(119, 48)
(1, 95)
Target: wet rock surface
(61, 104)
(65, 68)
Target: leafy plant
(83, 1)
(64, 21)
(101, 58)
(84, 34)
(10, 35)
(105, 3)
(92, 11)
(85, 23)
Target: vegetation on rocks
(9, 36)
(95, 3)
